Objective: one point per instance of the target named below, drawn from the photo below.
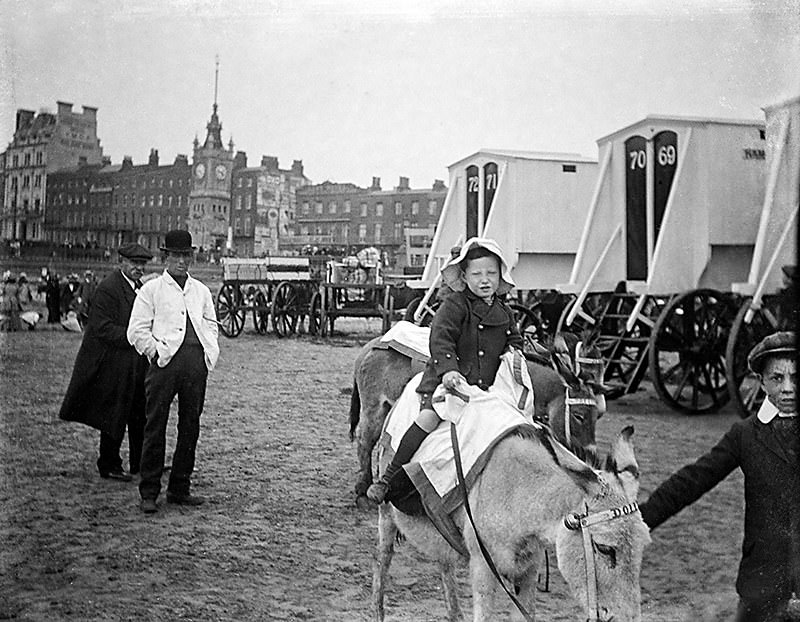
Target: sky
(388, 88)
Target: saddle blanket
(409, 339)
(482, 419)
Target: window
(169, 201)
(305, 210)
(37, 181)
(398, 208)
(345, 232)
(414, 208)
(318, 208)
(362, 232)
(379, 210)
(248, 201)
(247, 225)
(15, 160)
(568, 168)
(249, 182)
(38, 157)
(364, 214)
(27, 159)
(160, 200)
(398, 231)
(240, 182)
(26, 181)
(378, 231)
(432, 208)
(347, 206)
(238, 225)
(332, 207)
(152, 200)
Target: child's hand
(452, 379)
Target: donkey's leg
(483, 588)
(447, 571)
(373, 414)
(387, 533)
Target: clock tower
(210, 189)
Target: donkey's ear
(564, 369)
(580, 472)
(624, 460)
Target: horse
(534, 493)
(380, 375)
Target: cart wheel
(532, 326)
(412, 307)
(687, 351)
(261, 312)
(745, 387)
(230, 313)
(285, 309)
(315, 314)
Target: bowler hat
(178, 241)
(782, 343)
(135, 251)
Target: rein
(583, 522)
(484, 551)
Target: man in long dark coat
(106, 391)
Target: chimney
(153, 159)
(106, 161)
(181, 160)
(403, 185)
(297, 168)
(90, 112)
(269, 162)
(64, 108)
(240, 160)
(127, 162)
(438, 185)
(24, 118)
(376, 183)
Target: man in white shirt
(173, 323)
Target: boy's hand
(452, 379)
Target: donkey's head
(599, 547)
(574, 420)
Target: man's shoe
(185, 499)
(377, 492)
(120, 475)
(148, 506)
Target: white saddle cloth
(409, 339)
(481, 421)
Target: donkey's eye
(579, 417)
(607, 551)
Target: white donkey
(534, 492)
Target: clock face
(221, 171)
(200, 171)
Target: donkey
(533, 493)
(382, 374)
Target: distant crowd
(53, 298)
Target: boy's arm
(445, 330)
(691, 482)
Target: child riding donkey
(469, 333)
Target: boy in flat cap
(766, 447)
(174, 324)
(106, 391)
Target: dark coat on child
(107, 385)
(767, 455)
(469, 336)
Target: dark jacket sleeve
(103, 318)
(514, 338)
(445, 330)
(691, 482)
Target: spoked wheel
(230, 313)
(745, 387)
(427, 317)
(531, 324)
(315, 314)
(687, 351)
(261, 312)
(285, 309)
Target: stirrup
(377, 492)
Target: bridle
(573, 401)
(584, 522)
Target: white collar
(131, 283)
(769, 411)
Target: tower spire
(216, 80)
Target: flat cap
(135, 251)
(782, 343)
